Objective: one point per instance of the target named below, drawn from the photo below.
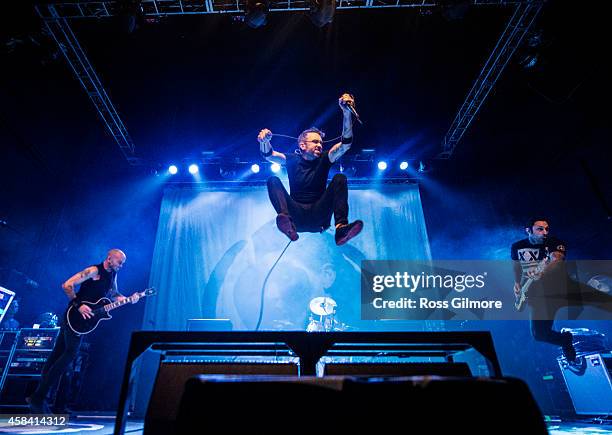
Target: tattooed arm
(73, 281)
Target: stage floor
(104, 425)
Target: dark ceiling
(200, 83)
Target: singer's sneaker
(286, 226)
(346, 232)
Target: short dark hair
(303, 134)
(533, 220)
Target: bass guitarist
(95, 282)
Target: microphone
(351, 107)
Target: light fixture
(275, 167)
(255, 168)
(322, 12)
(404, 165)
(256, 13)
(382, 165)
(193, 169)
(172, 170)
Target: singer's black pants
(315, 217)
(65, 350)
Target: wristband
(268, 153)
(347, 140)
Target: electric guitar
(100, 311)
(520, 300)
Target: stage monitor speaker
(589, 383)
(171, 379)
(342, 405)
(395, 369)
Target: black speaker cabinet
(171, 379)
(403, 369)
(342, 405)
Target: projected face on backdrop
(311, 268)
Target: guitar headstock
(148, 292)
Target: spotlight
(404, 166)
(275, 167)
(322, 12)
(530, 58)
(256, 12)
(193, 169)
(382, 165)
(255, 168)
(172, 169)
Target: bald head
(115, 259)
(116, 253)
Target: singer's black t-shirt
(307, 178)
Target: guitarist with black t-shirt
(95, 282)
(539, 263)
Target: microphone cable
(292, 137)
(263, 288)
(325, 141)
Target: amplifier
(589, 383)
(37, 338)
(27, 363)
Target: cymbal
(323, 306)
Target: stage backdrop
(215, 247)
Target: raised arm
(74, 280)
(343, 146)
(265, 147)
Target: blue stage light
(382, 165)
(193, 169)
(404, 166)
(172, 169)
(275, 167)
(255, 168)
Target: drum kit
(322, 316)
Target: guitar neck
(117, 304)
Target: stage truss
(57, 14)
